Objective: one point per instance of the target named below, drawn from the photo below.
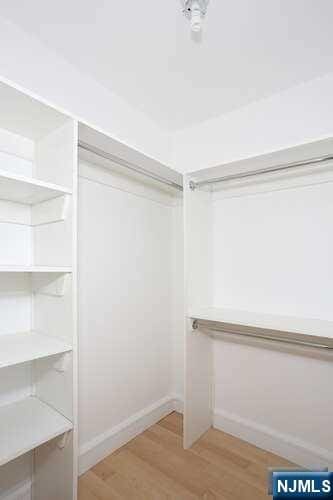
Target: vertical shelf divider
(198, 288)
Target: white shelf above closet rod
(290, 330)
(262, 333)
(193, 184)
(128, 165)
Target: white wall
(178, 303)
(126, 319)
(272, 251)
(299, 115)
(26, 62)
(277, 400)
(272, 254)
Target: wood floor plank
(103, 470)
(98, 487)
(84, 493)
(219, 465)
(136, 467)
(173, 422)
(169, 464)
(216, 460)
(126, 477)
(196, 474)
(209, 495)
(174, 443)
(132, 488)
(154, 466)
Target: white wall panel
(15, 313)
(178, 302)
(15, 383)
(272, 254)
(18, 146)
(47, 251)
(15, 213)
(15, 165)
(54, 155)
(286, 393)
(15, 247)
(125, 304)
(16, 476)
(15, 303)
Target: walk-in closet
(166, 196)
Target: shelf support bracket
(63, 440)
(54, 210)
(61, 365)
(55, 288)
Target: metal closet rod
(128, 165)
(196, 323)
(277, 168)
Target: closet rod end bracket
(195, 324)
(192, 185)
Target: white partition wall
(130, 237)
(259, 301)
(38, 191)
(198, 290)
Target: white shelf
(26, 190)
(28, 346)
(27, 424)
(231, 318)
(34, 269)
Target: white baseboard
(178, 403)
(290, 447)
(23, 492)
(100, 447)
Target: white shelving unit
(21, 189)
(29, 423)
(257, 267)
(38, 337)
(19, 348)
(35, 269)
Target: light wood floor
(153, 466)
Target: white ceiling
(143, 51)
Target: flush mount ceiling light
(195, 11)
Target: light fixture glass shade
(195, 11)
(196, 20)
